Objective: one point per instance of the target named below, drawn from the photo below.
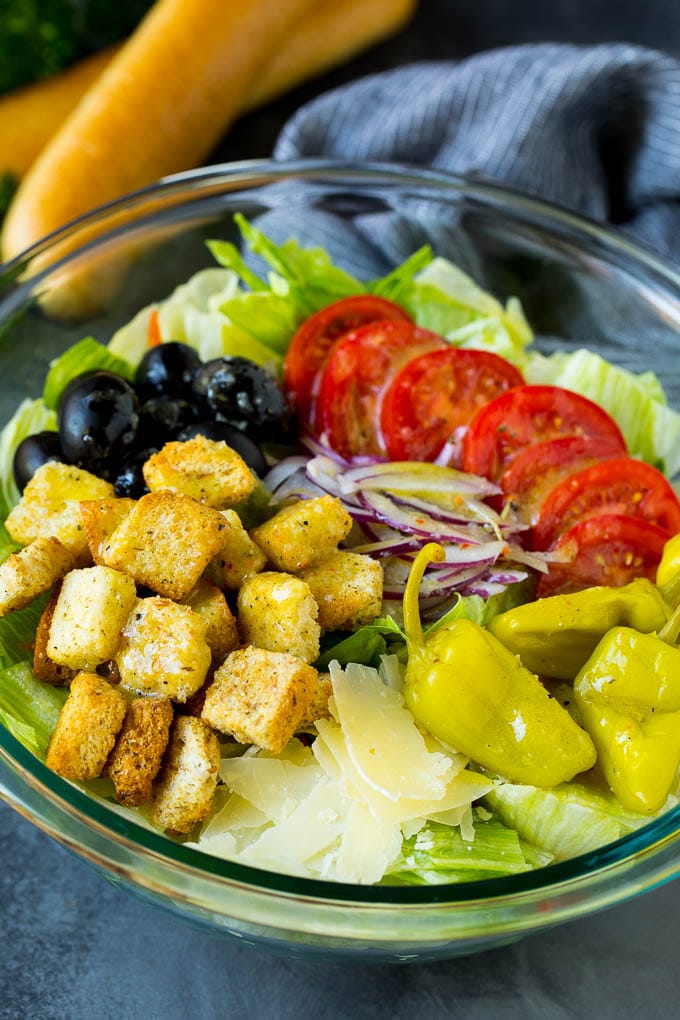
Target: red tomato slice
(436, 393)
(531, 414)
(611, 549)
(313, 340)
(358, 371)
(620, 486)
(535, 471)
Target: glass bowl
(580, 285)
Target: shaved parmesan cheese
(367, 847)
(385, 745)
(273, 785)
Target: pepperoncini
(669, 567)
(473, 694)
(555, 636)
(628, 694)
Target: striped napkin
(595, 129)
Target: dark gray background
(74, 947)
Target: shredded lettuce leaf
(29, 708)
(85, 356)
(365, 645)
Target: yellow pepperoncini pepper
(473, 694)
(555, 636)
(628, 694)
(669, 567)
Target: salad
(346, 579)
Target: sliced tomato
(358, 371)
(619, 486)
(531, 414)
(436, 393)
(311, 343)
(611, 549)
(536, 470)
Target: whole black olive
(161, 418)
(32, 452)
(219, 431)
(98, 417)
(243, 394)
(129, 480)
(167, 370)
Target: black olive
(243, 394)
(98, 418)
(129, 480)
(167, 370)
(219, 431)
(161, 418)
(32, 452)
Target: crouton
(45, 668)
(100, 519)
(222, 634)
(260, 697)
(87, 728)
(90, 613)
(208, 471)
(166, 542)
(239, 557)
(163, 650)
(278, 612)
(304, 533)
(348, 588)
(184, 792)
(28, 573)
(49, 507)
(318, 705)
(136, 758)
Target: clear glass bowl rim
(631, 852)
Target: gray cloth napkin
(596, 129)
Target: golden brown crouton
(49, 507)
(136, 758)
(208, 471)
(260, 697)
(45, 668)
(348, 589)
(303, 533)
(31, 571)
(318, 706)
(239, 557)
(184, 792)
(163, 651)
(222, 634)
(278, 612)
(86, 729)
(90, 613)
(100, 519)
(166, 542)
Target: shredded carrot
(154, 333)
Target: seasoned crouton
(49, 507)
(136, 758)
(278, 612)
(163, 651)
(239, 557)
(184, 792)
(100, 519)
(222, 634)
(86, 729)
(45, 668)
(260, 697)
(318, 706)
(208, 471)
(90, 613)
(348, 589)
(304, 533)
(166, 542)
(31, 571)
